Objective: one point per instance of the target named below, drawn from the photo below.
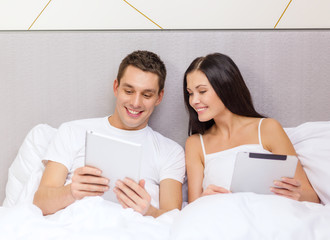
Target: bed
(51, 77)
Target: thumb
(142, 182)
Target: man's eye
(147, 95)
(128, 91)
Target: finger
(90, 187)
(121, 196)
(136, 188)
(208, 192)
(291, 181)
(142, 183)
(280, 184)
(128, 191)
(285, 193)
(88, 170)
(293, 196)
(218, 189)
(121, 202)
(88, 179)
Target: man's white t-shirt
(162, 157)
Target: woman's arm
(275, 140)
(195, 167)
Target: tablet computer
(116, 158)
(255, 172)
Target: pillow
(27, 163)
(311, 141)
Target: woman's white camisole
(219, 166)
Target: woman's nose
(194, 99)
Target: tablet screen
(116, 158)
(255, 172)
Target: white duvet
(222, 216)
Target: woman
(223, 122)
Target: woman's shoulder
(193, 140)
(270, 125)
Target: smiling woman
(224, 122)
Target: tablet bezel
(256, 172)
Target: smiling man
(138, 88)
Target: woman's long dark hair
(227, 81)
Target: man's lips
(133, 113)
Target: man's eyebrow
(145, 90)
(127, 85)
(150, 90)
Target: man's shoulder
(83, 123)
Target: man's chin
(134, 125)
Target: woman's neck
(227, 124)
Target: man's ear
(115, 87)
(160, 97)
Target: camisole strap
(259, 134)
(201, 137)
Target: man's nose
(136, 101)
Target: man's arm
(133, 195)
(52, 195)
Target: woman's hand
(287, 187)
(213, 189)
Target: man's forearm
(50, 199)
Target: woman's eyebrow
(198, 86)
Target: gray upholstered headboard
(53, 77)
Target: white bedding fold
(251, 216)
(222, 216)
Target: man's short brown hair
(146, 61)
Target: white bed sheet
(222, 216)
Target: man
(139, 87)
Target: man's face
(137, 95)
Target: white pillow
(27, 163)
(311, 141)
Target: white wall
(53, 77)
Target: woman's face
(202, 97)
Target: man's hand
(213, 189)
(88, 181)
(133, 195)
(288, 187)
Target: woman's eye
(201, 92)
(190, 93)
